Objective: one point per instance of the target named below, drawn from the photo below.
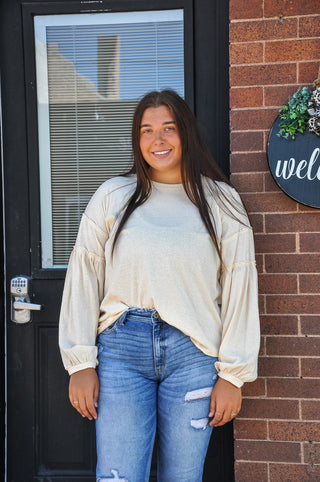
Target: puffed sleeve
(240, 342)
(83, 290)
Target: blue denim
(152, 377)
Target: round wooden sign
(295, 165)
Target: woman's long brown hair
(196, 161)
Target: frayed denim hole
(198, 394)
(115, 477)
(199, 423)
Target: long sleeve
(240, 342)
(83, 293)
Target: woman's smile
(162, 153)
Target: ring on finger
(234, 414)
(219, 413)
(75, 401)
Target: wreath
(302, 111)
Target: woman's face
(160, 144)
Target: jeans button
(156, 315)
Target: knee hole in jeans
(198, 394)
(115, 477)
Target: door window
(91, 71)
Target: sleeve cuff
(230, 378)
(82, 366)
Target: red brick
(249, 53)
(249, 471)
(258, 408)
(310, 409)
(253, 119)
(249, 161)
(293, 388)
(279, 95)
(311, 453)
(308, 72)
(310, 367)
(262, 351)
(263, 74)
(294, 472)
(262, 308)
(291, 223)
(309, 242)
(285, 8)
(254, 389)
(292, 263)
(292, 50)
(264, 451)
(294, 431)
(256, 221)
(293, 346)
(268, 202)
(263, 30)
(270, 184)
(279, 325)
(310, 325)
(277, 283)
(309, 283)
(246, 141)
(259, 263)
(252, 182)
(246, 97)
(245, 9)
(275, 243)
(309, 26)
(305, 209)
(250, 429)
(278, 367)
(293, 304)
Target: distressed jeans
(152, 377)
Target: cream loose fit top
(164, 259)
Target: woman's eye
(170, 128)
(146, 131)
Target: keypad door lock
(20, 301)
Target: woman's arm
(240, 337)
(80, 309)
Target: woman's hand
(84, 392)
(225, 402)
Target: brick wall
(274, 48)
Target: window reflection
(91, 70)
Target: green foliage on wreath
(294, 115)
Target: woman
(163, 272)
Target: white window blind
(91, 71)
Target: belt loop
(123, 317)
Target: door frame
(2, 315)
(207, 80)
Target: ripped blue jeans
(152, 377)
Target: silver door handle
(22, 305)
(20, 300)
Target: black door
(46, 439)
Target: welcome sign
(295, 165)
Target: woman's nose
(158, 136)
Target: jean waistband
(148, 315)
